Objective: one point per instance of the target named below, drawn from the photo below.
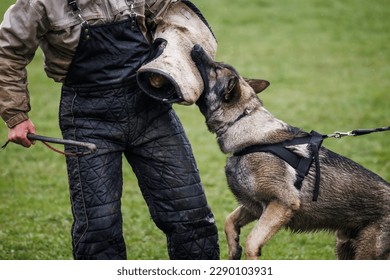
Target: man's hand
(18, 134)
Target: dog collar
(223, 129)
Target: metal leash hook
(338, 134)
(44, 139)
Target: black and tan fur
(353, 201)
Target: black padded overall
(102, 103)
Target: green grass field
(329, 67)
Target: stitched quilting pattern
(124, 120)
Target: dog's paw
(236, 254)
(259, 253)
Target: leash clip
(356, 132)
(338, 134)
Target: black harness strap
(299, 163)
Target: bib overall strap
(73, 5)
(76, 11)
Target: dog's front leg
(233, 224)
(274, 217)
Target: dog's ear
(232, 92)
(257, 84)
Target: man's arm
(19, 39)
(20, 34)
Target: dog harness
(299, 163)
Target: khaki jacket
(52, 26)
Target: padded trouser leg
(170, 182)
(150, 135)
(96, 188)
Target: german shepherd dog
(352, 201)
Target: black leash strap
(359, 132)
(356, 132)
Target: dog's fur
(353, 201)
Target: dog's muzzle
(203, 62)
(171, 75)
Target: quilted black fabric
(121, 120)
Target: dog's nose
(197, 49)
(198, 55)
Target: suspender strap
(299, 163)
(73, 5)
(76, 11)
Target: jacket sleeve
(20, 34)
(155, 10)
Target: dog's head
(227, 96)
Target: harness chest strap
(299, 163)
